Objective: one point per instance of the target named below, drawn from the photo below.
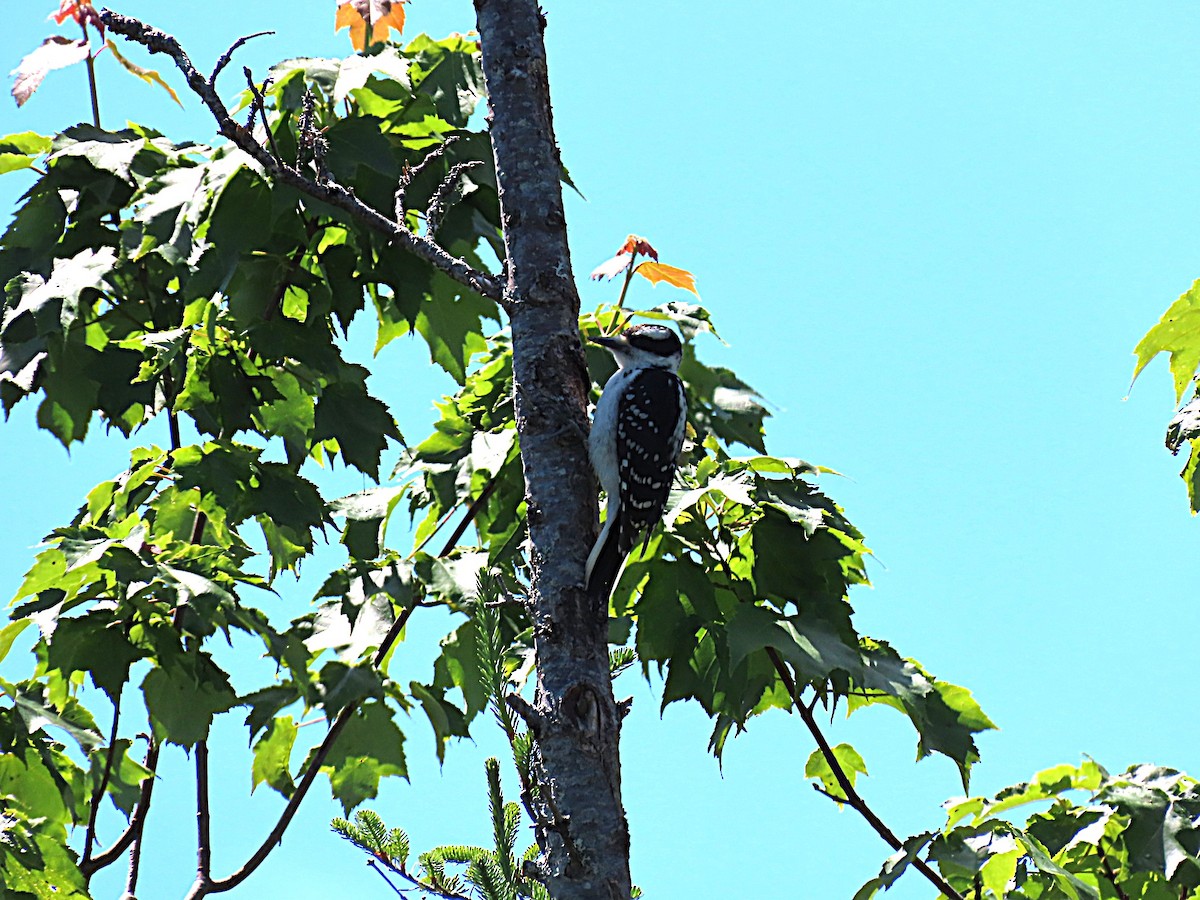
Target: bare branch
(228, 55)
(532, 717)
(113, 853)
(447, 193)
(332, 193)
(472, 511)
(203, 815)
(203, 887)
(98, 794)
(407, 176)
(852, 798)
(260, 104)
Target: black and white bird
(636, 437)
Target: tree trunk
(585, 838)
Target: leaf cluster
(1097, 836)
(150, 280)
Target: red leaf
(640, 245)
(615, 266)
(81, 11)
(56, 52)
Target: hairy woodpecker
(636, 437)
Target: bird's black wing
(649, 435)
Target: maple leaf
(384, 15)
(56, 52)
(654, 272)
(633, 246)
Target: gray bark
(584, 837)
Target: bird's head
(644, 346)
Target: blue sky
(931, 234)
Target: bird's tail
(604, 562)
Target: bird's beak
(616, 342)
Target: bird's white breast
(602, 444)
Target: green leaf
(342, 685)
(849, 760)
(811, 645)
(1160, 825)
(9, 633)
(367, 513)
(266, 704)
(447, 720)
(26, 777)
(272, 757)
(38, 715)
(27, 142)
(183, 697)
(1177, 333)
(357, 421)
(53, 304)
(1073, 886)
(449, 73)
(721, 404)
(97, 644)
(354, 625)
(125, 777)
(451, 322)
(895, 865)
(369, 748)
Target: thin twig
(113, 853)
(203, 888)
(91, 72)
(407, 176)
(1110, 874)
(98, 794)
(332, 193)
(382, 874)
(228, 55)
(446, 194)
(203, 815)
(472, 511)
(260, 103)
(853, 798)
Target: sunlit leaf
(147, 75)
(849, 761)
(1178, 334)
(384, 15)
(654, 272)
(55, 52)
(272, 757)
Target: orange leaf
(147, 75)
(55, 52)
(654, 272)
(384, 15)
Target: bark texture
(584, 835)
